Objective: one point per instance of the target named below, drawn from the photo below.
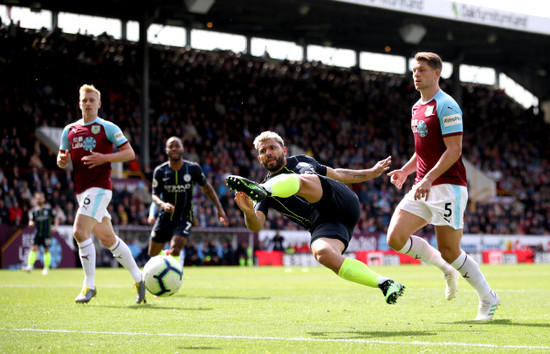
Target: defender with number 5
(440, 195)
(173, 194)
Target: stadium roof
(523, 56)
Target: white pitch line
(291, 339)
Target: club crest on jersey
(187, 177)
(95, 129)
(429, 111)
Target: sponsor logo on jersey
(95, 129)
(172, 188)
(77, 142)
(419, 127)
(305, 168)
(453, 119)
(119, 136)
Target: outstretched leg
(400, 238)
(328, 252)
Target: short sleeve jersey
(295, 208)
(176, 187)
(432, 121)
(80, 139)
(43, 220)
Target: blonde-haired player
(88, 144)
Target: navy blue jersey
(295, 208)
(176, 187)
(43, 220)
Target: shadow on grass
(229, 297)
(500, 322)
(159, 307)
(367, 334)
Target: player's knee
(323, 255)
(395, 241)
(449, 254)
(81, 235)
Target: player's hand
(167, 207)
(222, 218)
(151, 220)
(381, 166)
(95, 159)
(397, 178)
(422, 189)
(63, 158)
(244, 202)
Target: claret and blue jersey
(432, 121)
(80, 139)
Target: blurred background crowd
(217, 102)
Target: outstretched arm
(355, 176)
(211, 194)
(398, 177)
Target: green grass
(273, 310)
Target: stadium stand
(218, 101)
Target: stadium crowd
(217, 102)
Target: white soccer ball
(163, 275)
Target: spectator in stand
(4, 213)
(277, 242)
(15, 214)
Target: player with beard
(173, 183)
(314, 196)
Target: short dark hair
(434, 60)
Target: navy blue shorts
(339, 212)
(42, 241)
(164, 229)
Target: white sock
(420, 249)
(123, 255)
(471, 272)
(86, 252)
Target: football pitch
(273, 310)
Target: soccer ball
(163, 275)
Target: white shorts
(445, 206)
(93, 202)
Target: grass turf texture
(273, 310)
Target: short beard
(279, 163)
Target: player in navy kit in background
(173, 194)
(42, 217)
(88, 144)
(314, 196)
(440, 195)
